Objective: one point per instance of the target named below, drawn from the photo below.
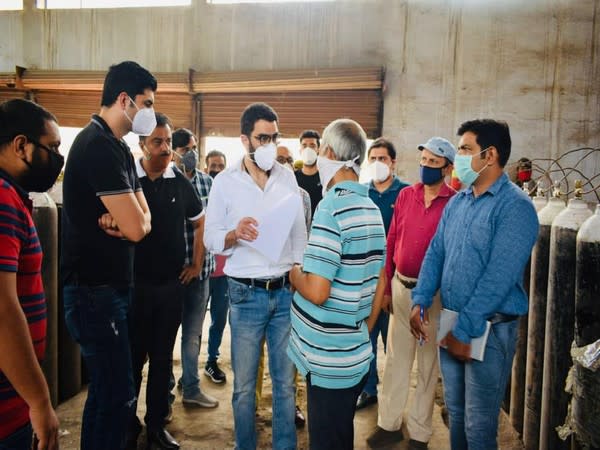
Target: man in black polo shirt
(104, 213)
(160, 276)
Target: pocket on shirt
(481, 236)
(238, 292)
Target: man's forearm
(199, 249)
(20, 364)
(230, 240)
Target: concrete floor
(212, 429)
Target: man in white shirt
(259, 289)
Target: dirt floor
(212, 429)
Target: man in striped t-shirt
(29, 161)
(329, 342)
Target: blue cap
(440, 147)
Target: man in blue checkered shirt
(185, 146)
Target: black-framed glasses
(284, 160)
(265, 139)
(38, 144)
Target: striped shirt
(202, 184)
(20, 252)
(347, 247)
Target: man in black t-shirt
(308, 176)
(160, 277)
(104, 213)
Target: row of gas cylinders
(62, 363)
(564, 311)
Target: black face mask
(213, 173)
(42, 176)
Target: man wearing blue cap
(417, 212)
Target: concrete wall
(534, 63)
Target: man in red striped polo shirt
(29, 161)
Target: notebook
(447, 321)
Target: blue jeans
(19, 440)
(381, 327)
(219, 307)
(474, 391)
(192, 319)
(331, 415)
(256, 314)
(96, 317)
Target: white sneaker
(201, 400)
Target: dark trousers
(97, 318)
(19, 440)
(331, 415)
(155, 319)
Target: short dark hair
(383, 142)
(128, 77)
(162, 120)
(311, 134)
(215, 153)
(20, 116)
(253, 113)
(182, 137)
(489, 132)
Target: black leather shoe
(365, 400)
(161, 440)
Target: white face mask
(144, 122)
(379, 171)
(264, 156)
(329, 167)
(309, 156)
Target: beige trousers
(400, 355)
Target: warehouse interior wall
(533, 63)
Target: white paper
(448, 319)
(274, 226)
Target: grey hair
(346, 139)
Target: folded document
(447, 322)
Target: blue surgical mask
(464, 171)
(431, 175)
(190, 160)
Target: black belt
(501, 318)
(269, 285)
(408, 284)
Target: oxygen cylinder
(69, 355)
(517, 384)
(560, 321)
(538, 291)
(586, 389)
(45, 218)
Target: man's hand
(246, 229)
(459, 350)
(386, 304)
(294, 272)
(189, 273)
(45, 426)
(109, 225)
(417, 326)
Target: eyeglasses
(184, 150)
(284, 160)
(265, 139)
(48, 149)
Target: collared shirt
(202, 184)
(20, 253)
(235, 195)
(412, 228)
(346, 246)
(477, 256)
(171, 199)
(98, 165)
(385, 200)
